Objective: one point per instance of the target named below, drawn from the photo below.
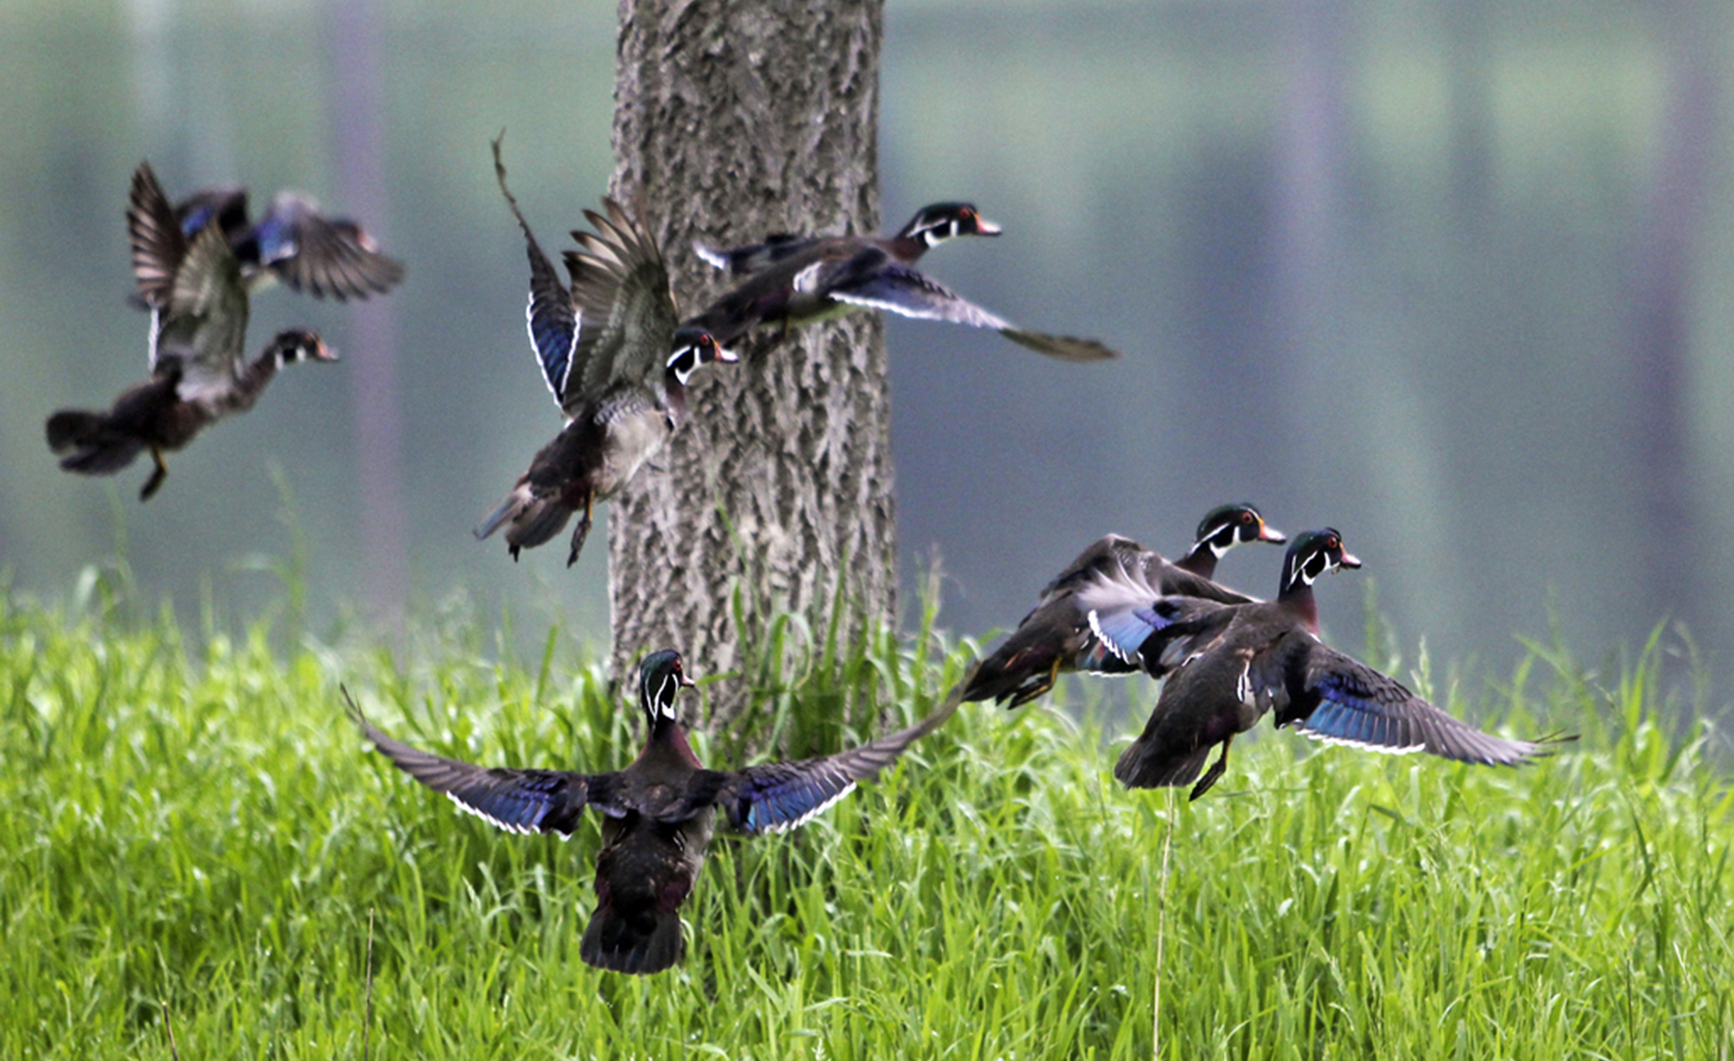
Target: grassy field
(192, 825)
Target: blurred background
(1452, 277)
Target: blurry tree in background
(778, 491)
(1451, 276)
(1673, 214)
(358, 131)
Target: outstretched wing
(742, 261)
(1060, 347)
(227, 207)
(626, 308)
(551, 317)
(907, 292)
(523, 801)
(1105, 556)
(203, 324)
(1331, 697)
(774, 797)
(1136, 619)
(911, 293)
(319, 255)
(158, 244)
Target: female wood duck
(795, 280)
(613, 353)
(198, 302)
(1055, 637)
(294, 243)
(1237, 662)
(657, 813)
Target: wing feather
(549, 315)
(1331, 697)
(774, 797)
(521, 801)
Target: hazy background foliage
(1394, 267)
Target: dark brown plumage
(658, 812)
(199, 308)
(1227, 665)
(617, 361)
(1055, 637)
(790, 281)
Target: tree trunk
(733, 121)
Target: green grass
(191, 821)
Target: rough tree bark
(733, 121)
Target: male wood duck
(293, 243)
(657, 813)
(795, 280)
(1055, 638)
(612, 351)
(1237, 662)
(198, 302)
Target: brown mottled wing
(155, 236)
(626, 309)
(322, 256)
(1108, 554)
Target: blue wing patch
(554, 334)
(780, 796)
(521, 800)
(1124, 630)
(1347, 714)
(275, 234)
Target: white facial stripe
(665, 694)
(683, 363)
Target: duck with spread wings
(613, 352)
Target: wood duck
(1237, 662)
(794, 280)
(612, 351)
(293, 243)
(658, 812)
(1056, 638)
(198, 301)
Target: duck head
(693, 349)
(299, 344)
(661, 677)
(1227, 526)
(1314, 554)
(938, 222)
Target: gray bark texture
(732, 121)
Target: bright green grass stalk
(201, 827)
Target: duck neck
(1200, 560)
(673, 396)
(1297, 598)
(670, 735)
(251, 381)
(905, 247)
